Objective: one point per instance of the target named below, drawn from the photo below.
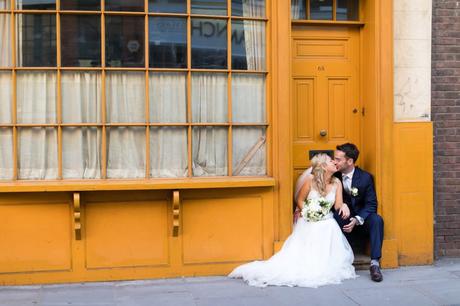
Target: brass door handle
(323, 133)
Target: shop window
(325, 10)
(176, 89)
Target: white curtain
(253, 8)
(249, 152)
(5, 97)
(297, 9)
(81, 146)
(209, 97)
(254, 41)
(36, 103)
(248, 98)
(5, 39)
(4, 4)
(209, 104)
(6, 153)
(125, 93)
(168, 145)
(36, 97)
(209, 151)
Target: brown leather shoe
(376, 274)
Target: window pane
(168, 6)
(321, 9)
(248, 45)
(209, 151)
(126, 152)
(36, 97)
(5, 40)
(248, 8)
(6, 86)
(249, 152)
(168, 152)
(81, 97)
(81, 152)
(168, 42)
(80, 40)
(36, 40)
(81, 5)
(209, 97)
(209, 7)
(124, 5)
(248, 98)
(168, 97)
(125, 92)
(124, 41)
(209, 44)
(6, 154)
(298, 9)
(38, 151)
(5, 4)
(347, 10)
(249, 156)
(36, 4)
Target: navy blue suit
(364, 204)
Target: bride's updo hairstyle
(317, 163)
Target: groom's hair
(350, 150)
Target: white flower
(354, 191)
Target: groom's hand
(349, 227)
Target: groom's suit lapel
(355, 183)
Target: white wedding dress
(315, 254)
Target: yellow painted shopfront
(148, 138)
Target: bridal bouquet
(315, 209)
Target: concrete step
(361, 261)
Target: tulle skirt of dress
(315, 254)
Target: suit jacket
(365, 202)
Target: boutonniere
(354, 191)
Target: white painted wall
(412, 60)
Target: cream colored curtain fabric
(125, 93)
(81, 146)
(5, 40)
(168, 145)
(6, 134)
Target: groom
(359, 194)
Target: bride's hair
(318, 171)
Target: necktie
(346, 184)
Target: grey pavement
(424, 285)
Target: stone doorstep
(361, 261)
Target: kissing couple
(335, 203)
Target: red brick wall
(446, 117)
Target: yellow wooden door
(325, 90)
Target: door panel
(325, 90)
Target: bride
(316, 253)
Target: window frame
(103, 69)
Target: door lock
(323, 133)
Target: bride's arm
(339, 206)
(303, 193)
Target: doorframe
(377, 124)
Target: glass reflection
(321, 9)
(209, 43)
(124, 41)
(125, 5)
(81, 5)
(347, 10)
(248, 45)
(36, 4)
(168, 6)
(298, 9)
(36, 40)
(209, 7)
(81, 40)
(168, 42)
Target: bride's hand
(344, 211)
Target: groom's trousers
(372, 229)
